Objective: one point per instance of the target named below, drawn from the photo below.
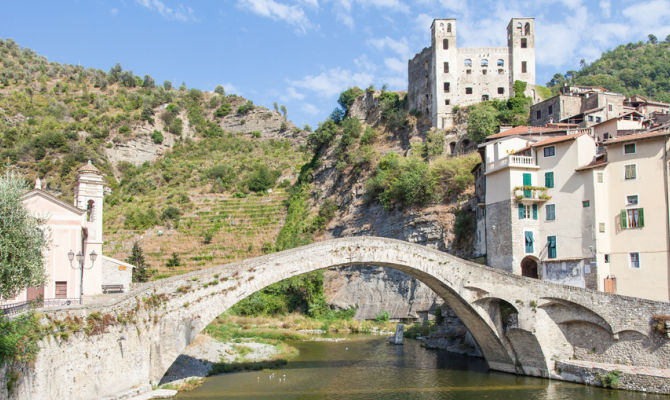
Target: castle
(443, 76)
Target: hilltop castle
(443, 76)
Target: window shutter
(624, 223)
(521, 213)
(534, 211)
(549, 179)
(551, 246)
(641, 218)
(529, 241)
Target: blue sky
(303, 53)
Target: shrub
(176, 126)
(383, 316)
(172, 213)
(223, 110)
(348, 97)
(453, 175)
(369, 135)
(352, 127)
(157, 136)
(245, 108)
(261, 179)
(482, 121)
(173, 261)
(401, 181)
(322, 136)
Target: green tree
(173, 261)
(262, 179)
(219, 90)
(652, 39)
(284, 111)
(148, 82)
(482, 121)
(22, 242)
(348, 97)
(140, 272)
(157, 136)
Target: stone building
(73, 230)
(443, 75)
(584, 106)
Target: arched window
(501, 62)
(89, 210)
(518, 25)
(448, 28)
(468, 62)
(527, 29)
(485, 63)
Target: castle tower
(521, 43)
(88, 195)
(444, 72)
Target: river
(367, 368)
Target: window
(629, 148)
(448, 28)
(586, 203)
(607, 258)
(484, 71)
(551, 246)
(634, 260)
(468, 62)
(609, 107)
(90, 216)
(599, 119)
(485, 97)
(550, 110)
(485, 63)
(549, 151)
(590, 118)
(524, 67)
(446, 102)
(500, 62)
(61, 289)
(527, 29)
(606, 136)
(632, 218)
(501, 71)
(446, 68)
(501, 90)
(631, 200)
(528, 241)
(601, 227)
(549, 179)
(445, 44)
(446, 87)
(524, 43)
(538, 114)
(631, 171)
(527, 212)
(600, 177)
(550, 211)
(468, 71)
(468, 90)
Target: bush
(383, 316)
(223, 110)
(176, 126)
(172, 213)
(157, 136)
(482, 121)
(352, 127)
(369, 135)
(173, 261)
(348, 97)
(453, 175)
(323, 136)
(261, 179)
(401, 181)
(245, 108)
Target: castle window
(468, 90)
(524, 67)
(485, 63)
(527, 29)
(524, 43)
(484, 72)
(485, 97)
(468, 62)
(500, 71)
(445, 44)
(518, 25)
(538, 114)
(501, 62)
(448, 28)
(468, 71)
(446, 68)
(447, 102)
(446, 87)
(501, 90)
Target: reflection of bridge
(133, 341)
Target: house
(581, 105)
(573, 210)
(74, 232)
(629, 122)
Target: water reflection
(367, 369)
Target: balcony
(530, 194)
(511, 161)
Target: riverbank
(238, 343)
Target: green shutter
(624, 223)
(549, 179)
(534, 211)
(551, 246)
(527, 181)
(641, 218)
(528, 236)
(521, 213)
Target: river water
(368, 368)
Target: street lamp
(80, 260)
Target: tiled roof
(599, 161)
(89, 167)
(557, 139)
(523, 130)
(637, 136)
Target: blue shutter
(528, 236)
(521, 211)
(551, 246)
(534, 211)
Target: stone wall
(498, 245)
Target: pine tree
(140, 273)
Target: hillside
(633, 68)
(186, 170)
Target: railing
(511, 161)
(534, 193)
(16, 308)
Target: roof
(557, 139)
(53, 199)
(89, 168)
(598, 161)
(117, 262)
(524, 130)
(637, 136)
(620, 116)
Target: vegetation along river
(367, 368)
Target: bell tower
(521, 47)
(445, 71)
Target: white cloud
(396, 65)
(606, 7)
(310, 109)
(291, 14)
(649, 17)
(231, 89)
(364, 63)
(393, 5)
(400, 47)
(181, 13)
(291, 94)
(114, 11)
(333, 81)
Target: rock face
(452, 335)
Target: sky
(303, 53)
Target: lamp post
(80, 260)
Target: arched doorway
(529, 267)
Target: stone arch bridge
(132, 341)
